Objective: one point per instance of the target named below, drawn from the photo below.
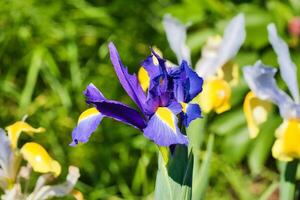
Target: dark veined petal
(93, 94)
(195, 82)
(186, 83)
(121, 112)
(129, 82)
(87, 123)
(162, 127)
(190, 112)
(158, 91)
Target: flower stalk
(288, 180)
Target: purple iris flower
(163, 107)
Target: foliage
(51, 50)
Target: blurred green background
(51, 50)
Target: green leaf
(228, 122)
(202, 176)
(31, 78)
(174, 181)
(235, 146)
(288, 180)
(261, 147)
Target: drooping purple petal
(162, 127)
(121, 112)
(129, 82)
(87, 124)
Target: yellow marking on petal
(215, 96)
(88, 113)
(286, 146)
(77, 194)
(143, 78)
(229, 72)
(167, 117)
(165, 152)
(256, 112)
(211, 46)
(15, 130)
(39, 159)
(184, 106)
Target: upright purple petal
(121, 112)
(129, 82)
(195, 82)
(186, 83)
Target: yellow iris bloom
(15, 130)
(230, 73)
(215, 95)
(39, 159)
(286, 146)
(256, 112)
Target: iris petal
(121, 112)
(287, 67)
(129, 82)
(15, 130)
(93, 94)
(176, 35)
(39, 159)
(87, 124)
(230, 73)
(144, 78)
(195, 82)
(261, 81)
(256, 112)
(286, 146)
(6, 158)
(190, 112)
(162, 128)
(233, 39)
(215, 96)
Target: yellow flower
(39, 159)
(215, 95)
(230, 73)
(256, 112)
(286, 146)
(15, 130)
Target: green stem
(288, 180)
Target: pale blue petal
(6, 158)
(176, 35)
(232, 41)
(261, 81)
(287, 67)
